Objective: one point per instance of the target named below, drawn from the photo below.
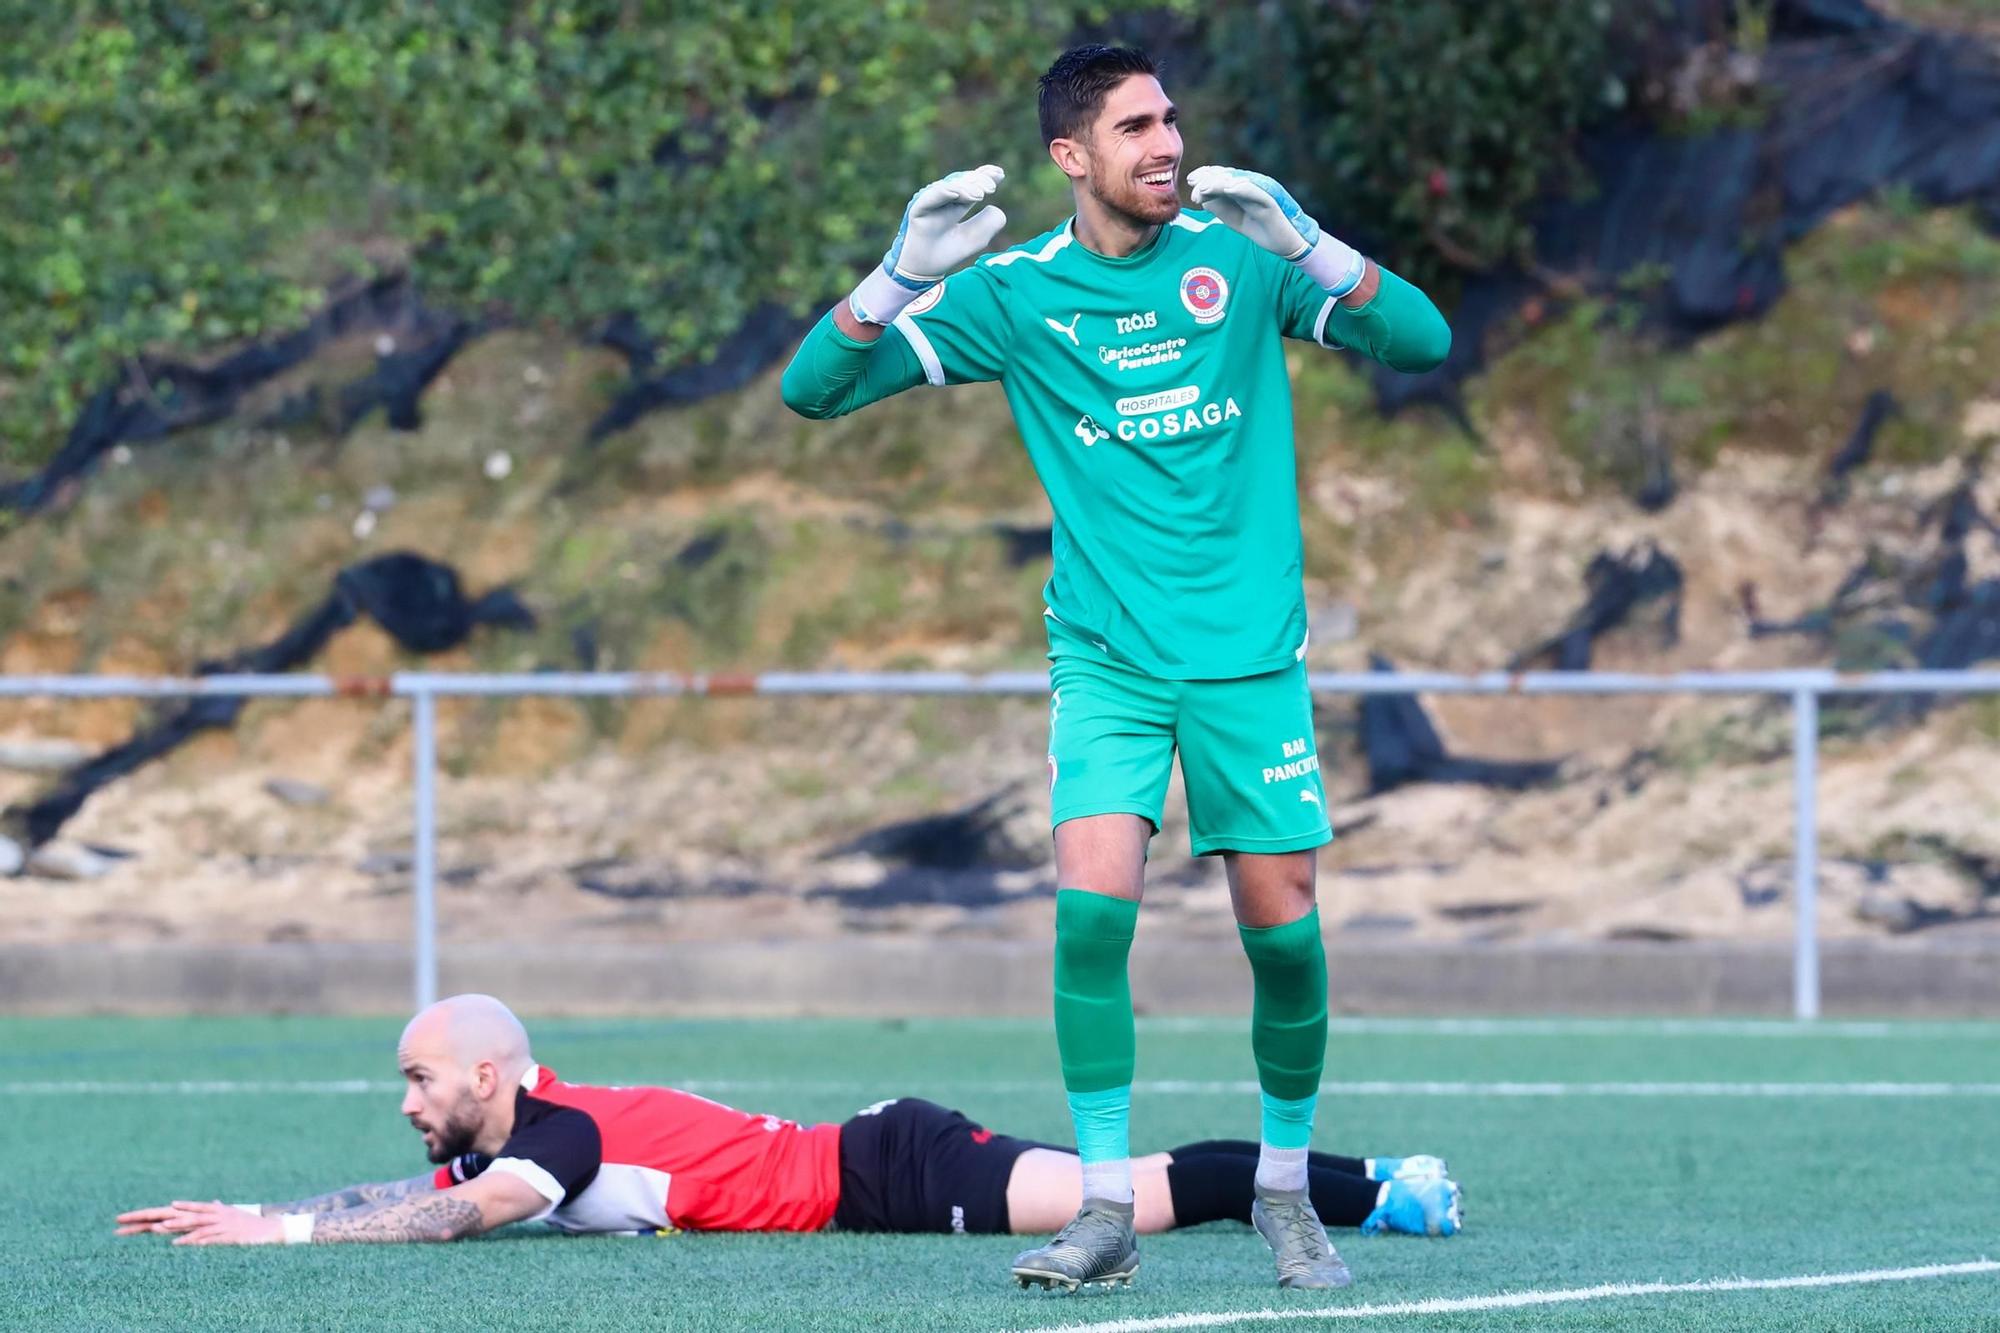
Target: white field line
(205, 1087)
(1144, 1087)
(1520, 1300)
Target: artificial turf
(1567, 1187)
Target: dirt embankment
(738, 819)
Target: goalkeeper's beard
(1131, 201)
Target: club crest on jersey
(925, 302)
(1205, 294)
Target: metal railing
(1805, 689)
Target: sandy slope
(709, 820)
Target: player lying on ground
(514, 1143)
(1140, 346)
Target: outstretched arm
(470, 1209)
(142, 1221)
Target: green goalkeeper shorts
(1248, 758)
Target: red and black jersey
(639, 1159)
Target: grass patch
(1880, 298)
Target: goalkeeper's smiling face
(1130, 159)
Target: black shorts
(912, 1165)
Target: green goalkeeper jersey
(1151, 393)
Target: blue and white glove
(1254, 204)
(937, 236)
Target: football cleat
(1427, 1206)
(1099, 1246)
(1306, 1258)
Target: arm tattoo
(440, 1217)
(355, 1196)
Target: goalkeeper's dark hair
(1074, 89)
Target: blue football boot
(1426, 1206)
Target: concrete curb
(877, 977)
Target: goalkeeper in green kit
(1139, 347)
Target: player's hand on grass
(940, 232)
(1263, 210)
(144, 1221)
(197, 1223)
(222, 1224)
(165, 1219)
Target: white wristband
(1334, 264)
(254, 1209)
(298, 1228)
(879, 298)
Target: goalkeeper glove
(935, 238)
(1254, 204)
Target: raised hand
(939, 232)
(1257, 206)
(1263, 210)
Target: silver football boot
(1098, 1246)
(1306, 1258)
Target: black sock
(1325, 1161)
(1219, 1186)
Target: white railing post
(1805, 852)
(423, 758)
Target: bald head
(467, 1030)
(463, 1059)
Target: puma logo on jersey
(1090, 432)
(1310, 798)
(1066, 330)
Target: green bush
(183, 174)
(1427, 127)
(180, 175)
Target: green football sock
(1093, 994)
(1288, 1018)
(1094, 1034)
